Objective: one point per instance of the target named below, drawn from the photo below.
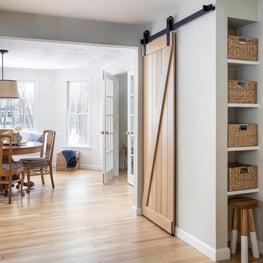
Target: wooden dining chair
(5, 131)
(43, 164)
(10, 172)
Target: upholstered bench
(31, 136)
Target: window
(19, 111)
(78, 114)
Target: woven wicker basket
(61, 164)
(242, 91)
(243, 48)
(242, 135)
(242, 177)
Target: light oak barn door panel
(159, 133)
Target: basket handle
(243, 170)
(242, 41)
(241, 84)
(243, 127)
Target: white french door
(130, 126)
(110, 166)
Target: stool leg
(244, 236)
(253, 235)
(234, 232)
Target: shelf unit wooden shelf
(243, 105)
(248, 191)
(242, 62)
(246, 148)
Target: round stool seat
(243, 203)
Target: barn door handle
(104, 132)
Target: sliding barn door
(159, 133)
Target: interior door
(130, 126)
(109, 132)
(159, 133)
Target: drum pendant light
(8, 88)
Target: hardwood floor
(82, 220)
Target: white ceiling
(120, 11)
(56, 56)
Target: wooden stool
(246, 206)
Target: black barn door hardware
(170, 26)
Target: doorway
(54, 115)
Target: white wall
(51, 104)
(196, 131)
(51, 107)
(89, 157)
(44, 93)
(196, 91)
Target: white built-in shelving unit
(237, 112)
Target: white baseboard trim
(214, 254)
(91, 167)
(222, 254)
(260, 245)
(137, 211)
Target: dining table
(23, 148)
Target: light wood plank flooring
(83, 220)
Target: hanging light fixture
(8, 88)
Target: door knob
(104, 132)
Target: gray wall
(68, 29)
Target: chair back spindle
(43, 164)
